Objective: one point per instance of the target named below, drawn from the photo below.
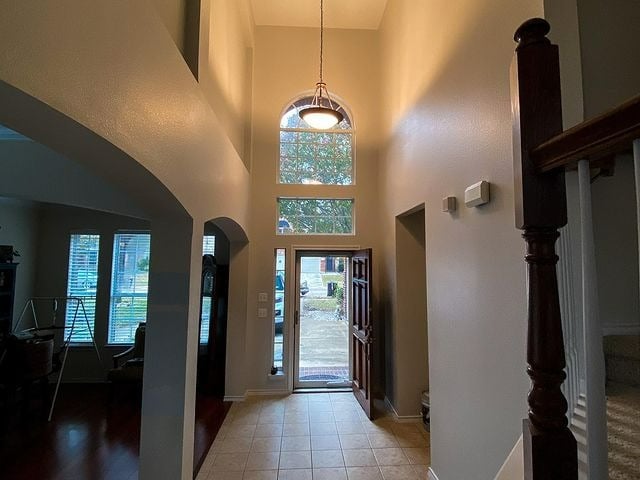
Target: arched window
(309, 156)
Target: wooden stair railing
(609, 134)
(550, 450)
(542, 153)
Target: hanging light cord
(321, 35)
(321, 88)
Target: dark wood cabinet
(7, 293)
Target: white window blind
(208, 248)
(82, 281)
(209, 245)
(129, 285)
(206, 319)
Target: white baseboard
(234, 398)
(513, 466)
(88, 381)
(269, 393)
(432, 475)
(621, 329)
(400, 418)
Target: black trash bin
(331, 288)
(426, 411)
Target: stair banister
(540, 208)
(571, 387)
(596, 407)
(636, 167)
(597, 139)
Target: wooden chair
(128, 365)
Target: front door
(362, 328)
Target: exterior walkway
(314, 436)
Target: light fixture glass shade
(321, 118)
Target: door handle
(368, 337)
(296, 319)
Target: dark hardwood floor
(88, 437)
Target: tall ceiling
(364, 14)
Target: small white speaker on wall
(477, 194)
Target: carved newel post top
(532, 31)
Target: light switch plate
(262, 297)
(262, 313)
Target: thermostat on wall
(477, 194)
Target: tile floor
(314, 436)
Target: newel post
(540, 206)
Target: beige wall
(38, 173)
(141, 112)
(611, 73)
(172, 13)
(19, 227)
(446, 94)
(225, 67)
(286, 65)
(616, 242)
(562, 15)
(610, 50)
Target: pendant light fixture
(321, 115)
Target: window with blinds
(209, 245)
(82, 281)
(129, 285)
(208, 248)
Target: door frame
(292, 328)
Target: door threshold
(323, 390)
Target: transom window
(308, 156)
(315, 216)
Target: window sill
(107, 345)
(81, 345)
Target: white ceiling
(306, 13)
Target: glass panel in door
(322, 333)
